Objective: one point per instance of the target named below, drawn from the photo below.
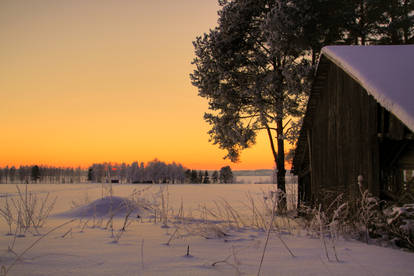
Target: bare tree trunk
(272, 145)
(280, 164)
(279, 158)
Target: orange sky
(98, 80)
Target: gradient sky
(87, 81)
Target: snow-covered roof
(386, 72)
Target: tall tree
(309, 25)
(206, 179)
(188, 176)
(194, 177)
(90, 174)
(226, 175)
(6, 174)
(35, 173)
(250, 84)
(396, 23)
(215, 177)
(200, 177)
(12, 174)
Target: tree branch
(287, 123)
(272, 145)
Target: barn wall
(343, 137)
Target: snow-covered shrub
(400, 225)
(364, 217)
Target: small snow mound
(105, 207)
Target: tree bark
(272, 145)
(280, 164)
(279, 158)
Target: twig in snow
(171, 237)
(6, 270)
(226, 261)
(142, 254)
(267, 236)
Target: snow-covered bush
(364, 217)
(400, 225)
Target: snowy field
(176, 230)
(253, 179)
(263, 179)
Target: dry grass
(231, 260)
(5, 270)
(26, 211)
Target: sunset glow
(106, 81)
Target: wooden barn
(359, 122)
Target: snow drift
(106, 206)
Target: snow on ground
(83, 247)
(254, 179)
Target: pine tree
(396, 24)
(90, 174)
(35, 173)
(200, 177)
(206, 179)
(188, 176)
(194, 177)
(226, 175)
(12, 174)
(251, 84)
(215, 177)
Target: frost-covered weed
(7, 214)
(368, 213)
(366, 218)
(27, 211)
(327, 224)
(231, 260)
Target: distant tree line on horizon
(42, 174)
(155, 171)
(224, 176)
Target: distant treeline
(42, 174)
(225, 175)
(153, 172)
